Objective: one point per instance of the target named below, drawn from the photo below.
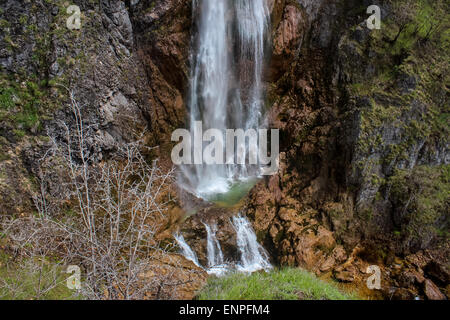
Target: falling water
(253, 255)
(226, 92)
(225, 87)
(216, 264)
(187, 252)
(252, 20)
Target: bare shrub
(102, 216)
(403, 13)
(33, 271)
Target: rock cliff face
(355, 139)
(364, 124)
(126, 66)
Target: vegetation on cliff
(399, 87)
(421, 200)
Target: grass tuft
(284, 284)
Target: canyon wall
(362, 148)
(364, 134)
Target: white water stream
(186, 250)
(253, 257)
(226, 90)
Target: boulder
(432, 292)
(345, 274)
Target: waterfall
(187, 252)
(226, 88)
(253, 255)
(252, 17)
(226, 91)
(216, 264)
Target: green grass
(284, 284)
(7, 98)
(422, 196)
(32, 283)
(20, 104)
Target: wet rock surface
(338, 203)
(194, 231)
(333, 173)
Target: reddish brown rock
(276, 9)
(345, 274)
(418, 259)
(311, 248)
(179, 278)
(339, 254)
(195, 234)
(407, 279)
(432, 292)
(164, 49)
(403, 294)
(286, 38)
(288, 33)
(328, 264)
(438, 270)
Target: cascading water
(186, 250)
(216, 264)
(225, 87)
(226, 92)
(252, 18)
(253, 255)
(209, 90)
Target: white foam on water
(186, 250)
(216, 186)
(253, 257)
(216, 262)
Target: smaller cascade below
(216, 264)
(253, 255)
(186, 250)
